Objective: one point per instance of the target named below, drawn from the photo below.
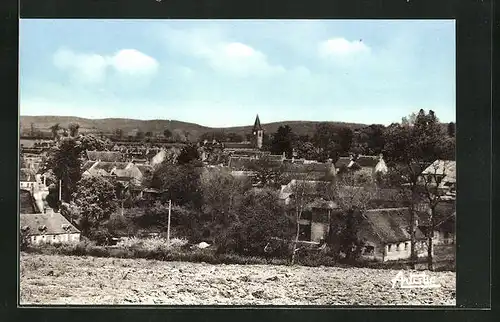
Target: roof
(27, 175)
(390, 225)
(308, 167)
(144, 168)
(26, 202)
(321, 204)
(87, 165)
(256, 125)
(239, 145)
(444, 210)
(364, 161)
(54, 224)
(442, 167)
(106, 156)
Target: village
(317, 195)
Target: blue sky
(223, 72)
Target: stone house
(386, 237)
(50, 228)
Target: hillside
(108, 125)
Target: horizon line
(213, 127)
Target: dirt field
(48, 279)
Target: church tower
(258, 133)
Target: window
(399, 247)
(389, 248)
(406, 246)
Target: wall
(399, 251)
(55, 239)
(319, 231)
(440, 238)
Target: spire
(256, 126)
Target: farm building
(50, 228)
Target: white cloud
(229, 57)
(131, 61)
(87, 67)
(92, 68)
(340, 47)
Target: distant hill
(109, 125)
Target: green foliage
(260, 218)
(179, 183)
(189, 153)
(95, 199)
(167, 133)
(283, 141)
(64, 161)
(267, 173)
(73, 129)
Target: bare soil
(61, 280)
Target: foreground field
(51, 279)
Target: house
(386, 235)
(51, 228)
(362, 164)
(444, 171)
(444, 221)
(27, 178)
(121, 171)
(314, 225)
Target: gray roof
(106, 156)
(46, 224)
(389, 225)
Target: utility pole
(168, 224)
(60, 190)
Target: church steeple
(258, 133)
(256, 126)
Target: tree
(451, 129)
(433, 195)
(140, 135)
(167, 133)
(326, 140)
(222, 195)
(261, 219)
(189, 153)
(306, 150)
(345, 137)
(73, 129)
(149, 134)
(352, 197)
(179, 183)
(303, 192)
(55, 130)
(119, 133)
(64, 161)
(409, 148)
(266, 172)
(91, 142)
(33, 130)
(233, 137)
(283, 141)
(95, 198)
